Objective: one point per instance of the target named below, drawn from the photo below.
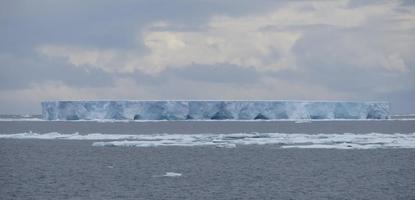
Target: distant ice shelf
(212, 110)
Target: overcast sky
(200, 49)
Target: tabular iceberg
(212, 110)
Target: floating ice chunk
(172, 174)
(74, 136)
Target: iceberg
(212, 110)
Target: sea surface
(61, 168)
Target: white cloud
(243, 41)
(78, 56)
(394, 62)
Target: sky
(206, 49)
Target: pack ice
(212, 110)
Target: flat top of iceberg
(209, 100)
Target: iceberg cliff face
(214, 110)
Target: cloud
(103, 23)
(27, 100)
(367, 60)
(176, 49)
(262, 41)
(219, 73)
(344, 50)
(19, 72)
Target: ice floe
(284, 140)
(172, 174)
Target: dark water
(59, 169)
(39, 169)
(184, 127)
(20, 116)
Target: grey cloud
(328, 57)
(102, 23)
(204, 74)
(408, 3)
(220, 73)
(302, 28)
(18, 73)
(402, 100)
(146, 79)
(360, 3)
(335, 51)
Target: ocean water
(61, 168)
(200, 127)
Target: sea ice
(297, 140)
(172, 174)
